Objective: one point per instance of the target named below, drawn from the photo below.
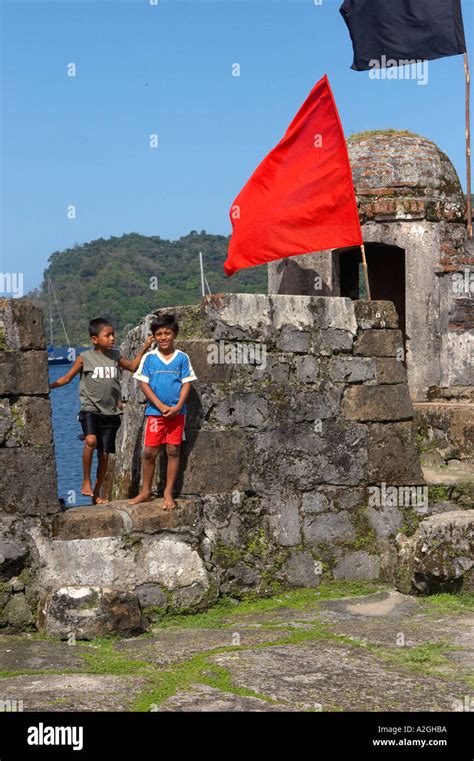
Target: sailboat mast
(59, 312)
(50, 314)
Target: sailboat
(54, 359)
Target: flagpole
(203, 290)
(468, 144)
(366, 272)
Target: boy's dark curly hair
(165, 321)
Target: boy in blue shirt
(165, 376)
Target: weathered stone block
(152, 518)
(377, 403)
(292, 340)
(23, 372)
(390, 370)
(392, 455)
(292, 311)
(21, 325)
(13, 556)
(29, 321)
(190, 598)
(327, 498)
(301, 570)
(328, 528)
(29, 422)
(152, 594)
(351, 369)
(29, 481)
(206, 359)
(307, 369)
(17, 614)
(378, 343)
(88, 523)
(439, 557)
(358, 565)
(166, 559)
(334, 313)
(121, 519)
(325, 342)
(323, 403)
(375, 314)
(203, 458)
(386, 521)
(241, 410)
(346, 453)
(283, 521)
(446, 430)
(238, 316)
(89, 612)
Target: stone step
(119, 518)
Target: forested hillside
(112, 278)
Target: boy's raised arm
(132, 364)
(65, 379)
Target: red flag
(301, 197)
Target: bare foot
(86, 489)
(99, 500)
(168, 502)
(144, 496)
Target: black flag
(403, 30)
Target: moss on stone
(18, 417)
(259, 546)
(366, 536)
(411, 521)
(323, 554)
(154, 612)
(438, 494)
(191, 323)
(383, 133)
(132, 541)
(224, 555)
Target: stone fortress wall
(278, 471)
(28, 483)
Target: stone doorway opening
(386, 266)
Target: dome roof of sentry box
(400, 175)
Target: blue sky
(167, 69)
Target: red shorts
(163, 430)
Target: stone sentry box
(279, 459)
(413, 217)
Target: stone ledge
(120, 518)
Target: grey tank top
(99, 386)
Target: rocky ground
(341, 647)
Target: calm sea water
(66, 429)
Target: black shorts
(103, 427)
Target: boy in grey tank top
(99, 392)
